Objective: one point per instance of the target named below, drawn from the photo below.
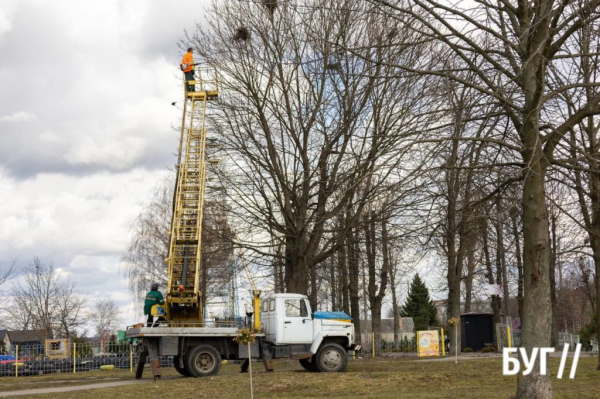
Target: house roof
(27, 336)
(3, 334)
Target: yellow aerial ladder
(183, 296)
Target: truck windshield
(295, 308)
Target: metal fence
(507, 337)
(386, 344)
(567, 338)
(31, 360)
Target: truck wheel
(203, 361)
(183, 371)
(331, 358)
(309, 364)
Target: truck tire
(203, 361)
(331, 358)
(309, 364)
(183, 371)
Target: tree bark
(537, 304)
(353, 281)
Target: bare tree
(6, 273)
(45, 301)
(105, 315)
(305, 125)
(579, 152)
(510, 47)
(144, 261)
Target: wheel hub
(332, 359)
(205, 362)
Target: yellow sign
(428, 343)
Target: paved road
(78, 387)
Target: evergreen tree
(419, 306)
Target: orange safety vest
(188, 59)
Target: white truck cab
(320, 340)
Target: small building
(4, 341)
(477, 330)
(31, 343)
(58, 348)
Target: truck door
(297, 323)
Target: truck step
(301, 355)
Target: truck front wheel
(203, 361)
(309, 364)
(331, 358)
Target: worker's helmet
(154, 286)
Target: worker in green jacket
(152, 298)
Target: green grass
(372, 378)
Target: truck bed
(138, 332)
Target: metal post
(250, 370)
(130, 358)
(373, 339)
(17, 362)
(508, 336)
(443, 343)
(456, 343)
(74, 358)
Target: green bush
(488, 349)
(467, 349)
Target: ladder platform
(202, 95)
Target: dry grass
(476, 378)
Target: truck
(283, 324)
(320, 341)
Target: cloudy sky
(86, 129)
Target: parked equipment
(284, 324)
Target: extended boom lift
(184, 304)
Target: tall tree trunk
(395, 307)
(296, 269)
(500, 255)
(537, 306)
(343, 269)
(333, 284)
(515, 229)
(376, 296)
(490, 271)
(314, 288)
(553, 263)
(469, 279)
(353, 281)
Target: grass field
(372, 378)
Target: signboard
(428, 343)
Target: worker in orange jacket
(187, 66)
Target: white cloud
(94, 82)
(20, 116)
(5, 23)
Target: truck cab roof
(285, 295)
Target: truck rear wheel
(331, 358)
(203, 361)
(309, 364)
(183, 371)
